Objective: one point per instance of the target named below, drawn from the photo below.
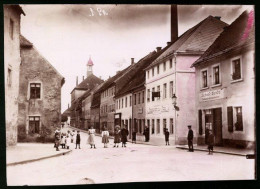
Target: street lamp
(174, 100)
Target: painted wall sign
(155, 110)
(211, 95)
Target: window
(34, 124)
(158, 126)
(11, 29)
(171, 126)
(165, 90)
(164, 124)
(158, 69)
(158, 90)
(148, 95)
(239, 119)
(143, 97)
(236, 69)
(152, 126)
(152, 71)
(153, 90)
(148, 74)
(9, 77)
(171, 88)
(164, 66)
(135, 99)
(139, 98)
(35, 90)
(130, 100)
(216, 79)
(125, 101)
(204, 79)
(170, 63)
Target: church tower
(89, 67)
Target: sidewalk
(30, 152)
(219, 149)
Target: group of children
(66, 139)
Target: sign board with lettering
(211, 95)
(158, 109)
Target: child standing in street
(62, 141)
(68, 141)
(167, 136)
(105, 135)
(78, 140)
(91, 138)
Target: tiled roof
(239, 33)
(25, 42)
(139, 78)
(89, 83)
(195, 40)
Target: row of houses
(204, 78)
(32, 99)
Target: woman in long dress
(105, 135)
(91, 138)
(117, 137)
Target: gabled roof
(195, 40)
(138, 79)
(111, 80)
(26, 44)
(89, 83)
(239, 33)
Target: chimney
(99, 77)
(132, 61)
(158, 48)
(83, 78)
(218, 17)
(174, 23)
(77, 81)
(168, 43)
(68, 105)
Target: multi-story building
(12, 60)
(39, 96)
(87, 85)
(225, 85)
(170, 76)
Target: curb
(38, 159)
(205, 150)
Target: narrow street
(135, 163)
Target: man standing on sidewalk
(190, 139)
(146, 134)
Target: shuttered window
(200, 122)
(230, 118)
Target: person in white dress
(105, 135)
(91, 138)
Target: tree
(64, 118)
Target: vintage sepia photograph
(126, 93)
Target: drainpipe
(175, 83)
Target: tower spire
(89, 67)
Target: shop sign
(158, 109)
(211, 95)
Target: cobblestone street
(135, 163)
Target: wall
(241, 93)
(12, 61)
(35, 68)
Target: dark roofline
(17, 8)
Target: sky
(68, 35)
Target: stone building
(87, 85)
(39, 91)
(170, 74)
(225, 86)
(12, 60)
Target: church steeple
(89, 67)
